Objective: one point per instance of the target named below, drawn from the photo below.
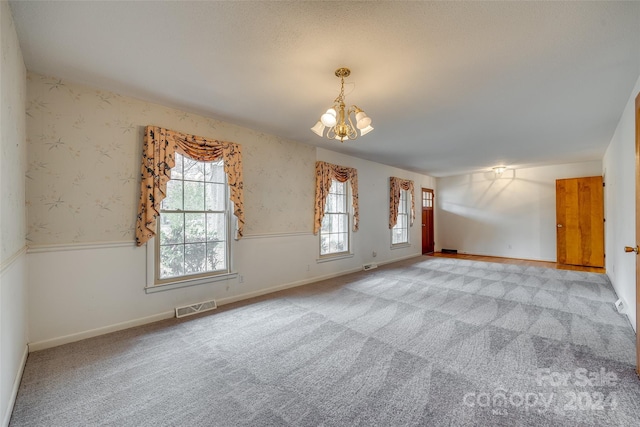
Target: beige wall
(84, 159)
(12, 154)
(618, 168)
(13, 271)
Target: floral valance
(325, 173)
(158, 157)
(397, 184)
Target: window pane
(324, 244)
(215, 197)
(214, 172)
(195, 258)
(339, 242)
(334, 233)
(327, 222)
(216, 256)
(402, 205)
(193, 169)
(195, 242)
(341, 202)
(331, 203)
(171, 228)
(216, 229)
(193, 196)
(176, 171)
(194, 228)
(171, 261)
(339, 223)
(173, 201)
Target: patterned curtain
(158, 152)
(325, 173)
(397, 184)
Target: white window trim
(406, 244)
(401, 245)
(180, 282)
(155, 284)
(349, 252)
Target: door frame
(430, 226)
(637, 111)
(580, 221)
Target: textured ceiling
(452, 87)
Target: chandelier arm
(352, 133)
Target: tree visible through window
(194, 221)
(400, 231)
(334, 233)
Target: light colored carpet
(428, 341)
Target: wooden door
(428, 242)
(580, 221)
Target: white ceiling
(452, 87)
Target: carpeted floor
(424, 342)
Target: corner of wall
(13, 259)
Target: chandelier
(338, 121)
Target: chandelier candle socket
(338, 121)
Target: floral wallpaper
(84, 153)
(13, 153)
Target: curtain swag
(397, 184)
(158, 157)
(325, 173)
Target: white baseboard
(402, 258)
(480, 253)
(16, 386)
(54, 342)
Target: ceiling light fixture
(499, 170)
(338, 121)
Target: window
(400, 231)
(334, 233)
(194, 222)
(427, 198)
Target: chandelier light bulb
(362, 120)
(499, 170)
(329, 118)
(366, 130)
(318, 129)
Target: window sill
(401, 246)
(189, 282)
(328, 258)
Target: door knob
(559, 225)
(630, 249)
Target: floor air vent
(188, 310)
(369, 266)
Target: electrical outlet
(374, 254)
(308, 267)
(241, 279)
